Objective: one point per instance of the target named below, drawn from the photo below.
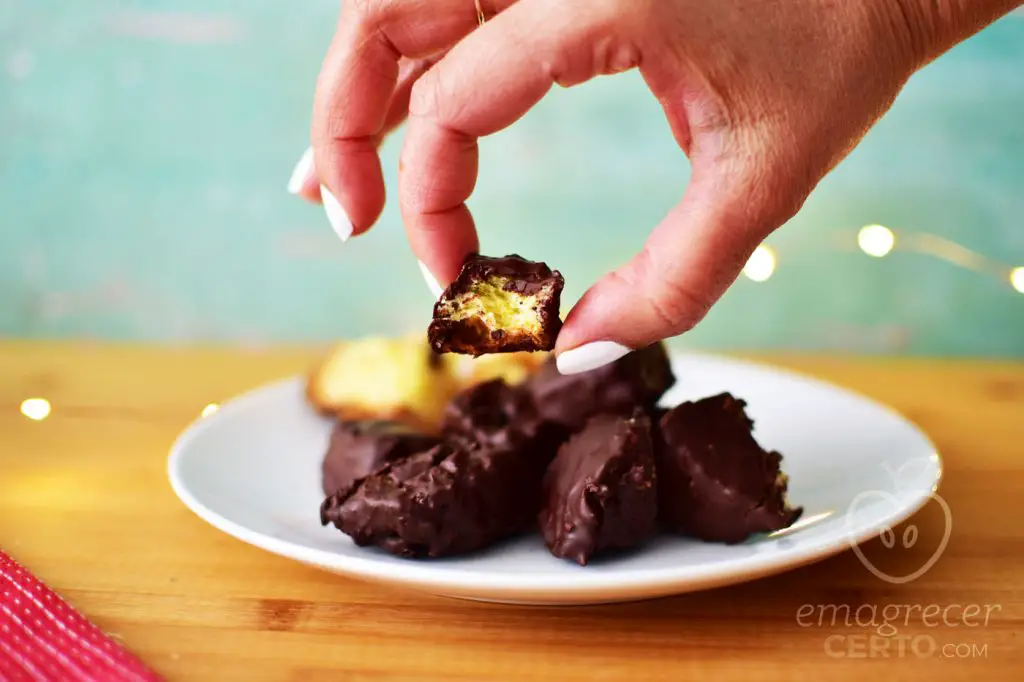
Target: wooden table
(85, 504)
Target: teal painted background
(145, 147)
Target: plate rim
(584, 586)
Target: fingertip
(432, 284)
(303, 182)
(441, 241)
(310, 192)
(586, 322)
(302, 173)
(336, 216)
(352, 171)
(613, 311)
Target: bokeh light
(36, 409)
(761, 264)
(1017, 278)
(210, 409)
(876, 240)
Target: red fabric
(43, 639)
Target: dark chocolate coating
(357, 449)
(600, 491)
(497, 415)
(714, 481)
(449, 500)
(472, 336)
(638, 379)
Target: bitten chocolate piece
(357, 449)
(449, 500)
(638, 379)
(498, 305)
(600, 491)
(714, 481)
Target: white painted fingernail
(303, 169)
(432, 284)
(336, 214)
(590, 356)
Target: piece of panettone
(512, 368)
(399, 380)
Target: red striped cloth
(43, 639)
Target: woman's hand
(763, 96)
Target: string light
(761, 264)
(210, 409)
(1017, 279)
(36, 409)
(876, 240)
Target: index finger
(484, 84)
(357, 84)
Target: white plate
(252, 469)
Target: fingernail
(336, 214)
(590, 356)
(432, 284)
(303, 169)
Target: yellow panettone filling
(497, 308)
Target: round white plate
(252, 469)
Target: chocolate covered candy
(496, 415)
(452, 499)
(357, 449)
(714, 481)
(638, 379)
(498, 305)
(600, 491)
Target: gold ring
(480, 16)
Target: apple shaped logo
(888, 537)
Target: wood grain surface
(85, 504)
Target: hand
(763, 96)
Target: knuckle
(561, 69)
(601, 52)
(604, 57)
(624, 57)
(775, 195)
(595, 39)
(425, 97)
(768, 183)
(362, 9)
(435, 97)
(372, 12)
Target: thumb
(688, 262)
